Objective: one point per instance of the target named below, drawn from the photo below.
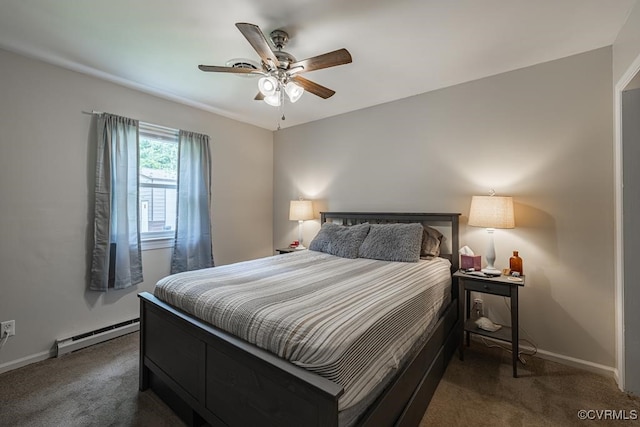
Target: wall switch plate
(8, 328)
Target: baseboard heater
(77, 342)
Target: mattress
(352, 321)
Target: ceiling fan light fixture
(268, 86)
(294, 91)
(273, 100)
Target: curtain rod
(97, 113)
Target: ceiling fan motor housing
(279, 38)
(284, 58)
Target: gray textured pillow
(431, 240)
(393, 242)
(340, 240)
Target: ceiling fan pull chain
(282, 104)
(281, 110)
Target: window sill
(157, 243)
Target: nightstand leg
(515, 347)
(467, 295)
(461, 317)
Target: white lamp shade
(300, 210)
(267, 85)
(491, 212)
(294, 91)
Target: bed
(211, 376)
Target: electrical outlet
(8, 328)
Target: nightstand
(501, 285)
(286, 250)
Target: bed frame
(209, 376)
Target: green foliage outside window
(158, 155)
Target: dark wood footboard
(226, 380)
(205, 374)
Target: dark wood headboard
(446, 223)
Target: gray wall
(46, 170)
(543, 134)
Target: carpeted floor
(482, 392)
(98, 386)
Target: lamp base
(492, 271)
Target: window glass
(158, 148)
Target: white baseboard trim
(27, 360)
(68, 345)
(616, 377)
(607, 371)
(596, 368)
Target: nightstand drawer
(487, 288)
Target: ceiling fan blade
(237, 70)
(314, 88)
(331, 59)
(256, 38)
(259, 97)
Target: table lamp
(300, 210)
(491, 212)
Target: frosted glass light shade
(273, 100)
(267, 86)
(300, 210)
(491, 212)
(294, 91)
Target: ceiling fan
(280, 70)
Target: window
(158, 175)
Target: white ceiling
(400, 48)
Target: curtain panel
(192, 245)
(117, 259)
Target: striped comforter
(349, 320)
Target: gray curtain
(192, 245)
(117, 261)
